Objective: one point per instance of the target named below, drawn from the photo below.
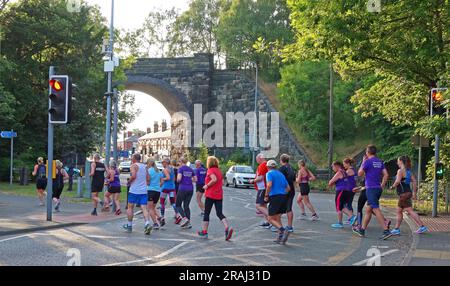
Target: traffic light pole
(51, 72)
(436, 182)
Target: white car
(125, 167)
(239, 176)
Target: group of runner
(275, 186)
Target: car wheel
(235, 184)
(226, 183)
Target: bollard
(79, 187)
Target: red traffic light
(56, 85)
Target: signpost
(10, 135)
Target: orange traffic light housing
(436, 101)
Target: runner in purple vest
(114, 188)
(343, 194)
(200, 173)
(186, 179)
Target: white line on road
(171, 250)
(150, 258)
(22, 236)
(362, 262)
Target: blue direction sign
(8, 134)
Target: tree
(41, 33)
(243, 23)
(406, 46)
(194, 31)
(304, 93)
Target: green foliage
(244, 23)
(38, 34)
(304, 97)
(201, 153)
(194, 31)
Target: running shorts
(97, 188)
(373, 197)
(277, 205)
(114, 190)
(199, 188)
(405, 200)
(304, 189)
(342, 199)
(290, 200)
(153, 196)
(41, 184)
(136, 199)
(260, 197)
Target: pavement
(101, 241)
(20, 214)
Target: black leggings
(361, 203)
(209, 203)
(184, 198)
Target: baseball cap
(272, 163)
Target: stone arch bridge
(187, 84)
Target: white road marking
(362, 262)
(22, 236)
(150, 258)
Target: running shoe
(118, 212)
(303, 217)
(315, 217)
(127, 228)
(395, 231)
(352, 220)
(228, 234)
(101, 203)
(57, 205)
(337, 225)
(148, 229)
(279, 238)
(184, 222)
(347, 222)
(162, 222)
(386, 234)
(94, 212)
(155, 226)
(421, 230)
(285, 236)
(359, 231)
(273, 229)
(178, 220)
(264, 224)
(202, 214)
(202, 234)
(188, 226)
(290, 229)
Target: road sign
(8, 134)
(420, 141)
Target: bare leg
(290, 217)
(399, 212)
(275, 221)
(200, 203)
(415, 217)
(380, 218)
(300, 203)
(117, 201)
(367, 217)
(225, 223)
(309, 205)
(95, 199)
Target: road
(312, 243)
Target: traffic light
(440, 171)
(60, 99)
(437, 99)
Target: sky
(130, 14)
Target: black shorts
(277, 205)
(343, 199)
(304, 189)
(97, 188)
(199, 188)
(41, 184)
(290, 200)
(114, 190)
(153, 196)
(260, 197)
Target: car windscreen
(244, 170)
